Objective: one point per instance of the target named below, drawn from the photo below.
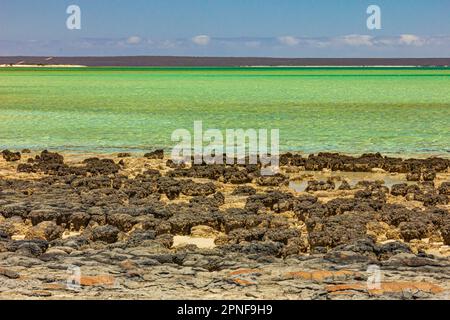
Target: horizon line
(220, 61)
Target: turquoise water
(350, 110)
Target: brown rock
(157, 154)
(322, 275)
(389, 287)
(101, 280)
(47, 230)
(9, 273)
(11, 156)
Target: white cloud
(289, 40)
(317, 43)
(411, 40)
(134, 40)
(357, 40)
(390, 41)
(253, 44)
(343, 45)
(201, 40)
(167, 44)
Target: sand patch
(202, 243)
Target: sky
(270, 28)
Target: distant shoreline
(12, 66)
(183, 61)
(41, 66)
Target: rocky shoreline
(147, 228)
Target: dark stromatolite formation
(121, 202)
(139, 215)
(366, 162)
(11, 156)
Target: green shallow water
(351, 110)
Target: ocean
(348, 110)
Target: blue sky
(281, 28)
